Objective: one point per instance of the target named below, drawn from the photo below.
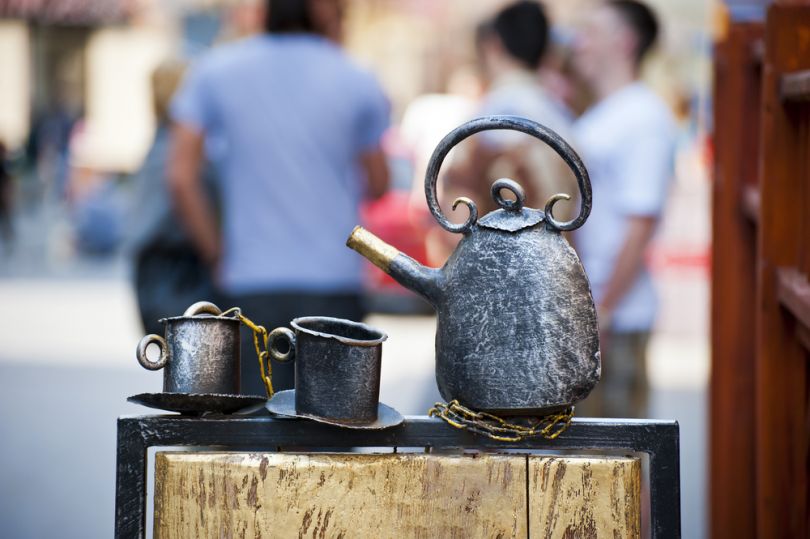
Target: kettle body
(517, 330)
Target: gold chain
(259, 341)
(548, 426)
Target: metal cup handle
(203, 307)
(141, 352)
(281, 333)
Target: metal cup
(200, 353)
(337, 367)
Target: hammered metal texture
(196, 403)
(337, 369)
(517, 325)
(203, 355)
(517, 330)
(283, 404)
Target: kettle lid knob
(505, 203)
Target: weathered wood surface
(394, 495)
(781, 407)
(348, 495)
(736, 204)
(584, 497)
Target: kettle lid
(512, 216)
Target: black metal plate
(283, 405)
(191, 403)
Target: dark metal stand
(658, 439)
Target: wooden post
(395, 495)
(735, 209)
(578, 497)
(781, 365)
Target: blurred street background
(70, 323)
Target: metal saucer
(283, 404)
(196, 403)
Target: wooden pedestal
(394, 495)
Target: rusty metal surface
(337, 368)
(283, 404)
(196, 403)
(199, 353)
(517, 330)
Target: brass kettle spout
(404, 269)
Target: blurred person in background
(511, 48)
(6, 200)
(426, 120)
(168, 273)
(93, 197)
(627, 141)
(48, 145)
(302, 127)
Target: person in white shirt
(626, 140)
(511, 47)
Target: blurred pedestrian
(169, 274)
(302, 126)
(6, 201)
(627, 141)
(511, 48)
(93, 197)
(49, 143)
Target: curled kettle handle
(514, 123)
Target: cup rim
(199, 317)
(296, 325)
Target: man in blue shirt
(300, 127)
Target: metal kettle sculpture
(517, 330)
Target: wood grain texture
(347, 495)
(781, 375)
(736, 204)
(229, 495)
(584, 497)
